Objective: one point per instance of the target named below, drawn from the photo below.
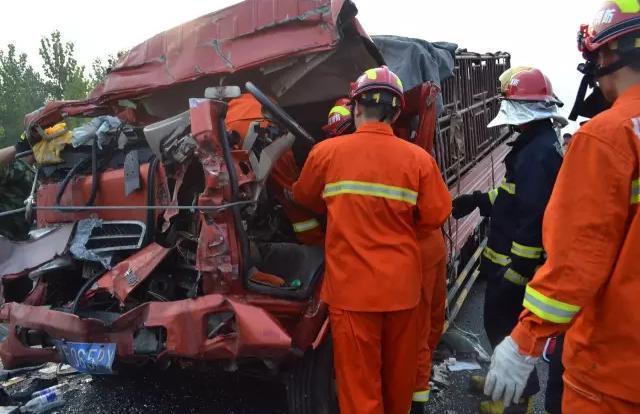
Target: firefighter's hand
(464, 205)
(508, 373)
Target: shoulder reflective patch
(547, 308)
(302, 226)
(636, 126)
(527, 252)
(635, 192)
(370, 189)
(515, 277)
(495, 257)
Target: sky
(539, 33)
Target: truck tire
(311, 383)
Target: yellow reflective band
(372, 74)
(635, 192)
(370, 189)
(508, 187)
(341, 110)
(526, 251)
(515, 277)
(421, 396)
(628, 6)
(549, 309)
(495, 257)
(302, 226)
(399, 82)
(493, 194)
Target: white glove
(508, 373)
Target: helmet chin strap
(596, 102)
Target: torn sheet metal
(256, 333)
(18, 257)
(79, 244)
(128, 274)
(243, 37)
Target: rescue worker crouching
(589, 285)
(514, 248)
(241, 114)
(378, 191)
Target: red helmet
(613, 22)
(530, 85)
(340, 118)
(369, 86)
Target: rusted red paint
(130, 273)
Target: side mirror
(222, 92)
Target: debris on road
(455, 366)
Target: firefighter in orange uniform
(433, 257)
(378, 191)
(242, 112)
(340, 121)
(590, 285)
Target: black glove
(465, 204)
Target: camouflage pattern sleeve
(15, 185)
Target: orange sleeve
(584, 226)
(434, 199)
(307, 191)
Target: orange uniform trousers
(431, 310)
(579, 399)
(374, 355)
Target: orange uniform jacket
(378, 190)
(590, 283)
(241, 113)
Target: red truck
(146, 240)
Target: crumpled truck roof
(249, 35)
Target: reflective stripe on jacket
(514, 248)
(378, 191)
(590, 283)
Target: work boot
(418, 408)
(476, 383)
(419, 402)
(525, 406)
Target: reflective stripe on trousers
(527, 252)
(495, 257)
(515, 277)
(302, 226)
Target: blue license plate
(87, 357)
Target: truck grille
(116, 235)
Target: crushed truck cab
(159, 236)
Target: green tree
(22, 90)
(65, 77)
(100, 69)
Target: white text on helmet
(604, 17)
